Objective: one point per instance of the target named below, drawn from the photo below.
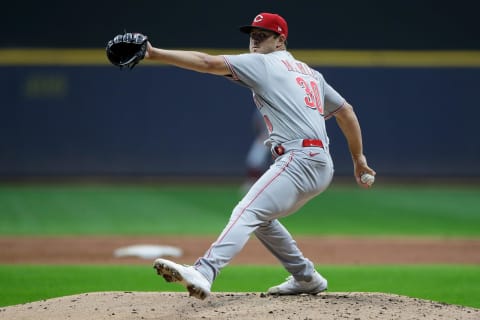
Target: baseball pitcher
(294, 101)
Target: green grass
(450, 284)
(149, 210)
(406, 210)
(204, 210)
(50, 210)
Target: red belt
(279, 149)
(312, 143)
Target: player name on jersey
(298, 67)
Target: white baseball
(367, 179)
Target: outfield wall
(65, 111)
(66, 120)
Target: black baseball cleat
(197, 285)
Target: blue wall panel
(168, 121)
(416, 121)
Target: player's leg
(278, 240)
(199, 277)
(304, 278)
(273, 194)
(276, 194)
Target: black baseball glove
(126, 50)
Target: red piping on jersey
(256, 196)
(336, 110)
(234, 75)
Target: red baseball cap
(268, 21)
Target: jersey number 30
(312, 94)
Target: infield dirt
(242, 306)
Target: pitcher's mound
(169, 305)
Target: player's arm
(191, 60)
(348, 122)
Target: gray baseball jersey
(294, 101)
(294, 104)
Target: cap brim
(248, 29)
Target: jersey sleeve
(333, 101)
(248, 68)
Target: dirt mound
(167, 305)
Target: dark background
(350, 24)
(86, 120)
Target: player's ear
(281, 41)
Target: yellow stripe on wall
(334, 58)
(391, 58)
(56, 57)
